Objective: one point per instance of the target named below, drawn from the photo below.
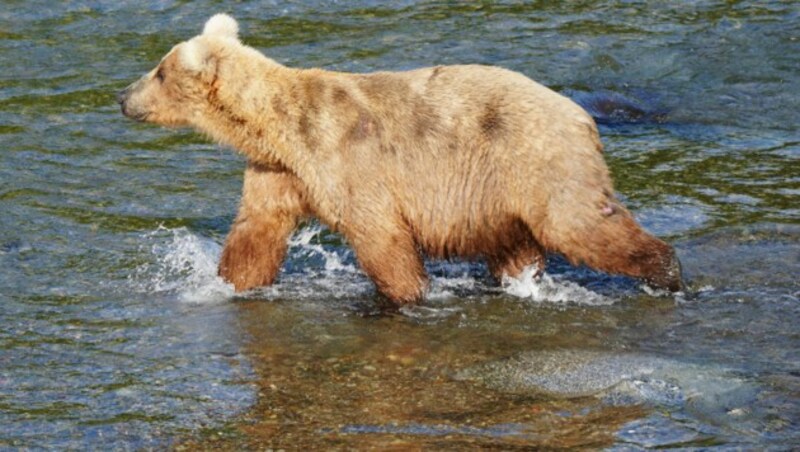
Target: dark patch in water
(11, 246)
(612, 108)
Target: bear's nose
(122, 96)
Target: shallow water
(115, 331)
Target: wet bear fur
(468, 161)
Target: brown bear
(450, 161)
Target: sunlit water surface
(116, 332)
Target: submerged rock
(613, 108)
(713, 392)
(561, 373)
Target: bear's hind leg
(256, 246)
(391, 260)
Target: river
(116, 333)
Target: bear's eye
(160, 75)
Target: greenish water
(115, 332)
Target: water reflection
(344, 381)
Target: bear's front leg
(272, 204)
(389, 257)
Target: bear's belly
(472, 239)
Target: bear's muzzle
(129, 108)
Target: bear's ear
(194, 55)
(222, 25)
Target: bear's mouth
(140, 116)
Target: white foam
(185, 264)
(301, 241)
(545, 289)
(320, 271)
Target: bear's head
(176, 92)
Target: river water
(116, 333)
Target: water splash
(316, 270)
(546, 289)
(185, 264)
(301, 245)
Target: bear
(458, 161)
